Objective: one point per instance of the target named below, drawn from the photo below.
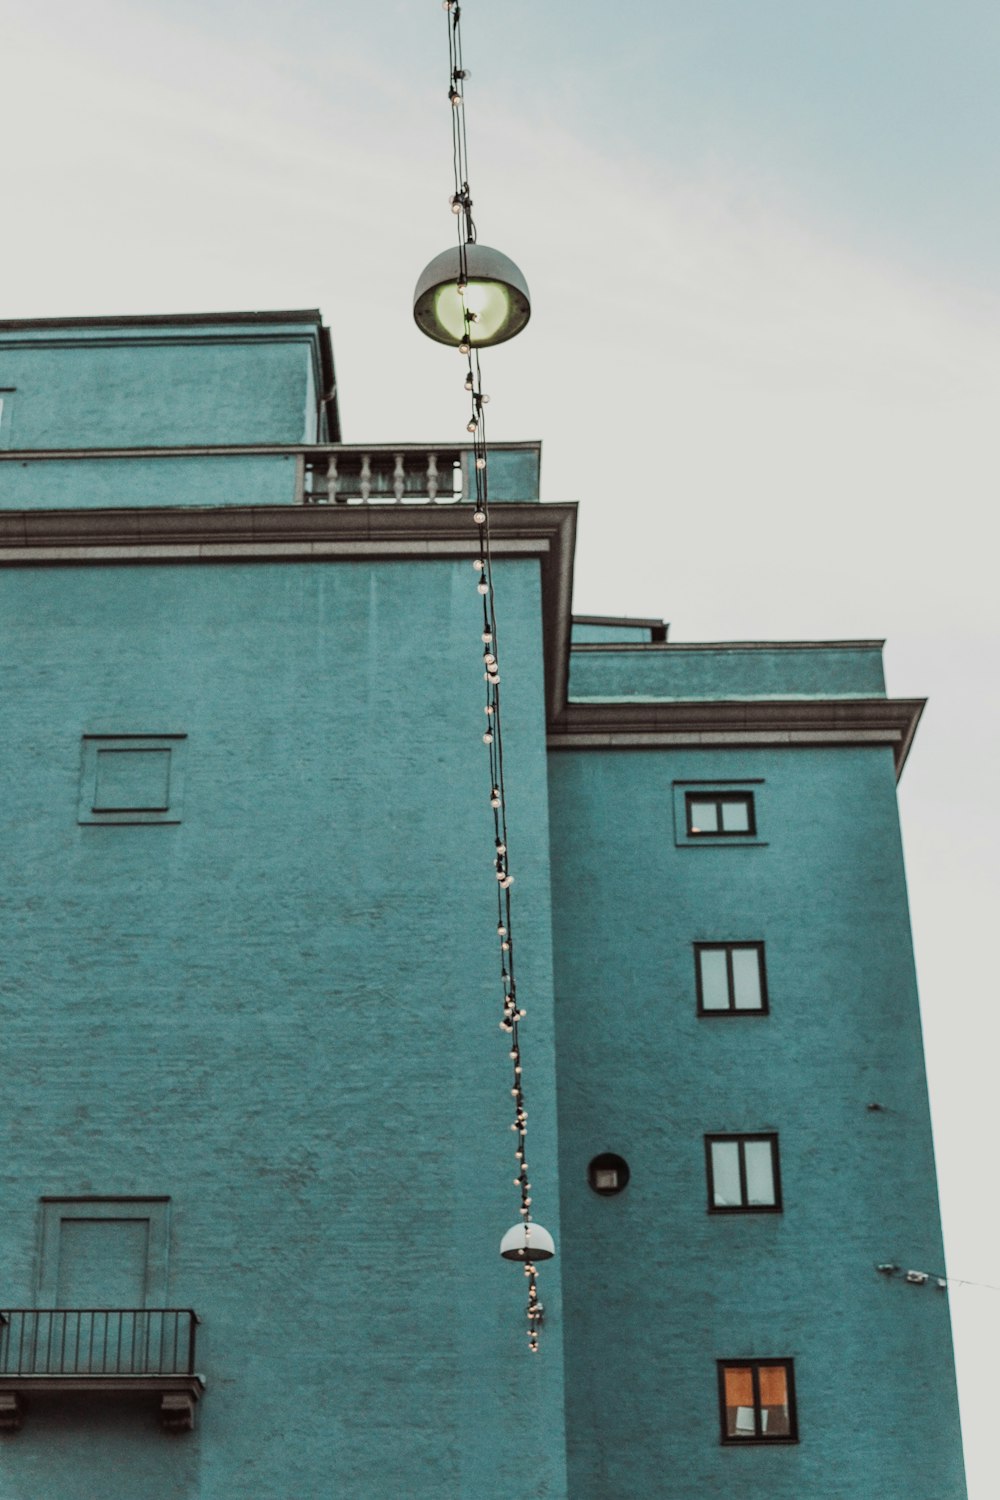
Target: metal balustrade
(97, 1341)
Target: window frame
(741, 1137)
(720, 799)
(760, 1437)
(720, 788)
(728, 947)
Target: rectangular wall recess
(132, 778)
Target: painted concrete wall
(514, 474)
(657, 1289)
(85, 483)
(852, 670)
(158, 387)
(103, 483)
(586, 631)
(282, 1013)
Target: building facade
(258, 1149)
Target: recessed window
(757, 1401)
(720, 814)
(743, 1174)
(730, 979)
(132, 778)
(608, 1173)
(723, 814)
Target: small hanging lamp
(527, 1242)
(485, 299)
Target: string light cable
(512, 1011)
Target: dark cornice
(758, 721)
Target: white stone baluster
(432, 476)
(399, 478)
(366, 476)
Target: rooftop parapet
(331, 474)
(728, 671)
(166, 381)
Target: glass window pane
(746, 979)
(703, 817)
(736, 817)
(740, 1421)
(760, 1182)
(774, 1400)
(726, 1175)
(738, 1385)
(714, 980)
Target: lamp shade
(495, 296)
(527, 1242)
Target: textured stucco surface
(657, 1288)
(101, 388)
(721, 672)
(105, 483)
(282, 1013)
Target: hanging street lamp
(471, 289)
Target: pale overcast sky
(762, 240)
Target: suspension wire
(512, 1011)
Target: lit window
(757, 1401)
(730, 978)
(743, 1173)
(720, 814)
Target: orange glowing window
(757, 1402)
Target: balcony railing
(345, 476)
(94, 1349)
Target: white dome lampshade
(495, 294)
(527, 1242)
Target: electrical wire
(512, 1011)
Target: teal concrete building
(258, 1157)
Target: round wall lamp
(608, 1174)
(487, 299)
(527, 1242)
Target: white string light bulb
(482, 305)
